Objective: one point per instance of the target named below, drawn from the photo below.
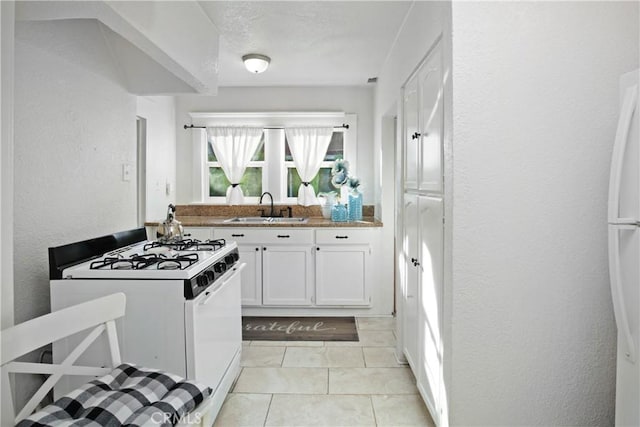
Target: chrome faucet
(271, 197)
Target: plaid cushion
(129, 395)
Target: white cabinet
(279, 265)
(343, 267)
(250, 249)
(342, 275)
(303, 267)
(424, 126)
(422, 293)
(287, 274)
(421, 253)
(411, 133)
(199, 233)
(251, 275)
(431, 122)
(430, 304)
(410, 283)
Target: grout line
(252, 392)
(328, 380)
(373, 408)
(266, 416)
(284, 353)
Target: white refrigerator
(624, 249)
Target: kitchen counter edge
(314, 222)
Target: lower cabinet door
(342, 275)
(410, 282)
(251, 275)
(429, 375)
(287, 275)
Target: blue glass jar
(355, 206)
(339, 213)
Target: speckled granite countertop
(218, 221)
(215, 215)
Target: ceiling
(311, 43)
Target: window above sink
(271, 168)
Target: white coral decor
(353, 183)
(339, 173)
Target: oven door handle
(210, 294)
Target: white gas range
(183, 310)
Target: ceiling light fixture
(256, 63)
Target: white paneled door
(429, 374)
(411, 134)
(410, 290)
(422, 251)
(422, 294)
(431, 122)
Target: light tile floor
(310, 383)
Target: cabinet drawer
(265, 236)
(199, 233)
(338, 236)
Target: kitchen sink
(267, 220)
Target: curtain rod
(344, 126)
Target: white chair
(99, 314)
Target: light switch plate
(126, 172)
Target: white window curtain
(234, 147)
(308, 147)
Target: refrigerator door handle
(619, 148)
(619, 310)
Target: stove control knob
(220, 267)
(229, 259)
(210, 275)
(202, 281)
(233, 257)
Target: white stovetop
(205, 259)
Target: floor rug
(299, 329)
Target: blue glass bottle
(339, 213)
(355, 206)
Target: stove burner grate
(178, 263)
(140, 262)
(188, 245)
(207, 245)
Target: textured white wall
(73, 131)
(358, 100)
(535, 100)
(6, 162)
(159, 112)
